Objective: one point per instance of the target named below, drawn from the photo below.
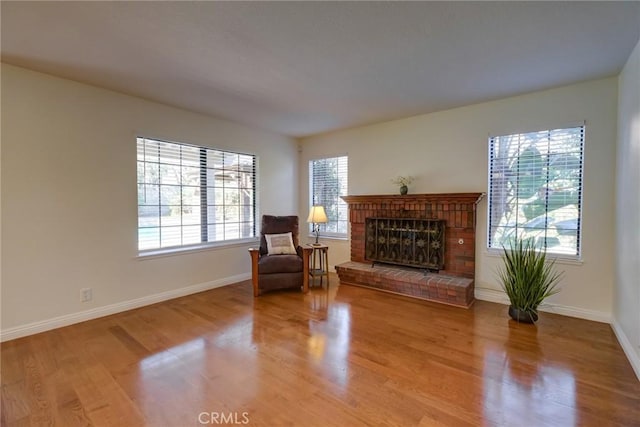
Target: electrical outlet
(461, 241)
(86, 294)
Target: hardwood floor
(344, 357)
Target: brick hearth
(409, 281)
(455, 283)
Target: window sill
(323, 237)
(185, 250)
(559, 259)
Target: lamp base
(316, 231)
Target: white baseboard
(629, 351)
(493, 295)
(94, 313)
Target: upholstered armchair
(280, 262)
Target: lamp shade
(317, 215)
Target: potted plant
(527, 279)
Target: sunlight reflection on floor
(328, 344)
(515, 385)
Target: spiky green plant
(526, 276)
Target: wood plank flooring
(346, 356)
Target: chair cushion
(279, 264)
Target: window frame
(206, 212)
(561, 256)
(312, 201)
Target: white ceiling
(301, 68)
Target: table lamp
(316, 217)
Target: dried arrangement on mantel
(403, 183)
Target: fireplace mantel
(414, 198)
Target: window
(190, 195)
(327, 182)
(535, 189)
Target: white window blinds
(535, 189)
(328, 179)
(190, 195)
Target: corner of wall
(626, 316)
(627, 347)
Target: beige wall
(447, 152)
(69, 201)
(69, 205)
(626, 312)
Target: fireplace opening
(411, 242)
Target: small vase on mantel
(403, 182)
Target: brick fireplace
(453, 284)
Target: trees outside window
(328, 180)
(535, 189)
(189, 195)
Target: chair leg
(254, 271)
(306, 253)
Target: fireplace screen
(410, 242)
